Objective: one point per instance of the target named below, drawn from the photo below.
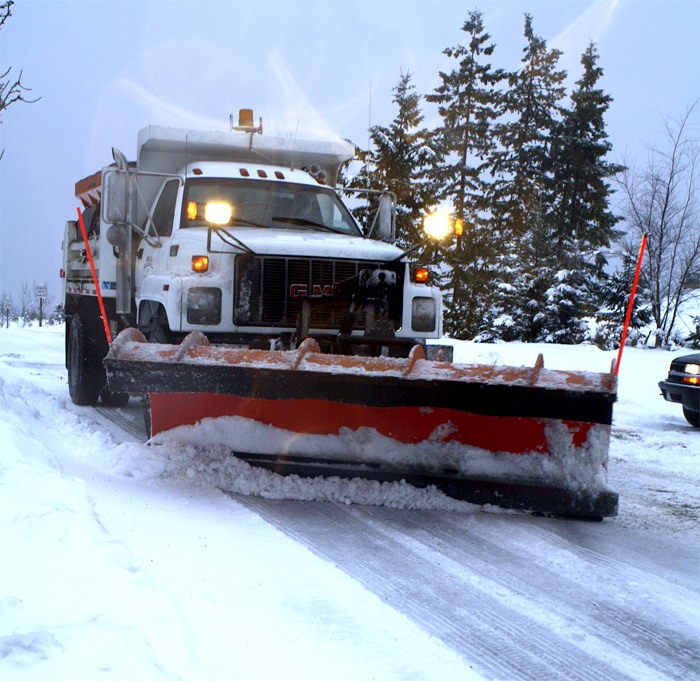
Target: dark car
(682, 385)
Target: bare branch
(5, 12)
(661, 201)
(13, 91)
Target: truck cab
(241, 247)
(248, 239)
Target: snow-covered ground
(127, 561)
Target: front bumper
(680, 393)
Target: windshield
(250, 203)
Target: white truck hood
(306, 243)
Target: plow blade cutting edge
(525, 438)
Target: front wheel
(692, 417)
(85, 371)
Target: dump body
(526, 438)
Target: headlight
(218, 213)
(203, 305)
(423, 312)
(437, 225)
(440, 224)
(694, 371)
(214, 212)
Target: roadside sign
(40, 293)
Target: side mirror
(385, 218)
(385, 214)
(116, 198)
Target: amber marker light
(458, 227)
(421, 275)
(200, 263)
(192, 211)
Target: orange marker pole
(630, 305)
(94, 277)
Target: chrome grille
(269, 290)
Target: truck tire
(85, 371)
(161, 334)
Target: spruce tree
(467, 100)
(582, 222)
(399, 157)
(523, 194)
(613, 294)
(533, 105)
(397, 160)
(580, 171)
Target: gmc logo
(302, 290)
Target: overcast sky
(105, 69)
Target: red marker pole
(630, 305)
(94, 277)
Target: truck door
(152, 258)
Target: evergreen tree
(613, 293)
(524, 162)
(582, 223)
(523, 195)
(400, 155)
(580, 146)
(397, 161)
(467, 102)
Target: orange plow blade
(526, 438)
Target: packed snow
(144, 561)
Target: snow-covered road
(520, 598)
(160, 562)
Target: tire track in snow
(130, 419)
(499, 553)
(590, 583)
(454, 587)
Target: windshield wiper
(305, 222)
(247, 223)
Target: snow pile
(572, 468)
(126, 560)
(119, 559)
(214, 466)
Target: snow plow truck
(223, 278)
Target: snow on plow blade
(525, 438)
